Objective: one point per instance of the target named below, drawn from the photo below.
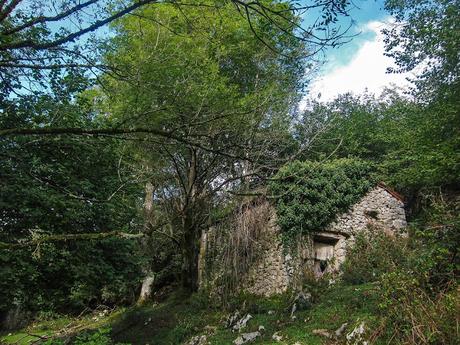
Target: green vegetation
(400, 288)
(180, 318)
(56, 186)
(214, 86)
(309, 195)
(118, 150)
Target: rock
(242, 323)
(232, 319)
(246, 338)
(356, 336)
(261, 328)
(339, 331)
(198, 340)
(277, 337)
(301, 302)
(271, 312)
(293, 309)
(322, 332)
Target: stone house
(253, 253)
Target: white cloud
(366, 70)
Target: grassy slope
(179, 318)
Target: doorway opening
(323, 253)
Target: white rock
(339, 331)
(198, 340)
(355, 337)
(232, 319)
(322, 332)
(242, 322)
(246, 338)
(277, 337)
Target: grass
(180, 317)
(47, 328)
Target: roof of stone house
(391, 191)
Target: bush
(414, 316)
(67, 277)
(420, 301)
(373, 254)
(315, 286)
(416, 278)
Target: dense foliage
(228, 96)
(416, 277)
(309, 195)
(414, 146)
(424, 38)
(57, 186)
(116, 153)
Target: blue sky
(360, 64)
(365, 11)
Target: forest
(129, 128)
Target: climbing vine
(309, 195)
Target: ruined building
(248, 253)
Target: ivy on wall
(309, 195)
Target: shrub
(421, 301)
(317, 287)
(417, 278)
(414, 316)
(309, 195)
(373, 253)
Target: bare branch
(44, 19)
(68, 38)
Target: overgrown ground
(405, 290)
(178, 319)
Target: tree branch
(44, 19)
(96, 25)
(69, 237)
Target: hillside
(167, 175)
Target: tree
(53, 186)
(204, 78)
(36, 36)
(39, 49)
(415, 146)
(425, 36)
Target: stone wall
(378, 207)
(257, 260)
(271, 272)
(271, 268)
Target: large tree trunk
(193, 215)
(190, 253)
(149, 277)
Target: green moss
(52, 326)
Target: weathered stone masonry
(274, 269)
